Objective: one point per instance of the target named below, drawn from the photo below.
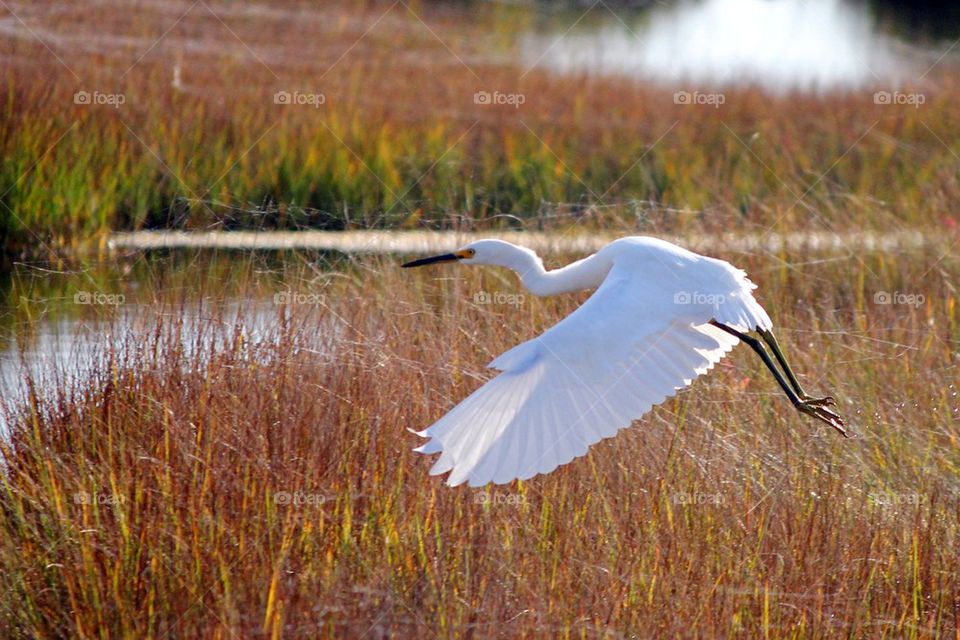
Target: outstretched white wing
(630, 346)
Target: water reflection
(62, 329)
(65, 354)
(781, 45)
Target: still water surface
(780, 45)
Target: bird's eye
(471, 253)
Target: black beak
(447, 257)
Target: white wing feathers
(739, 309)
(629, 347)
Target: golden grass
(399, 140)
(144, 502)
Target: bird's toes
(826, 401)
(833, 415)
(823, 414)
(840, 426)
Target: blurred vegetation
(399, 141)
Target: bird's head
(492, 252)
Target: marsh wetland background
(214, 442)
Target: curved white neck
(587, 273)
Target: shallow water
(780, 45)
(60, 326)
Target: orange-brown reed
(250, 474)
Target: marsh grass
(228, 469)
(399, 141)
(211, 480)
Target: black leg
(771, 341)
(800, 400)
(758, 347)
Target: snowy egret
(660, 316)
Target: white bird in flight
(660, 316)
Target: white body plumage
(642, 336)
